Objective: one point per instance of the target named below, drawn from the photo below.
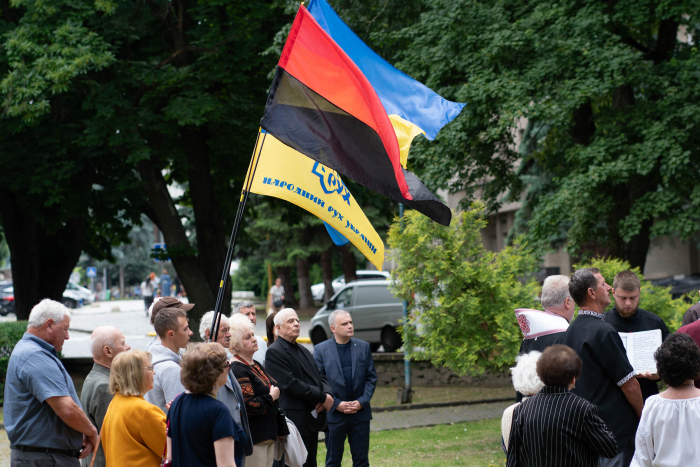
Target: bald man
(106, 343)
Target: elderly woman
(259, 392)
(527, 383)
(133, 431)
(201, 432)
(668, 430)
(555, 426)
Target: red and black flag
(322, 105)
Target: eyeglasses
(227, 366)
(149, 368)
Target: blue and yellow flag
(287, 174)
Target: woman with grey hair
(525, 381)
(259, 392)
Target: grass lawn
(464, 444)
(386, 396)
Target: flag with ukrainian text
(322, 105)
(287, 174)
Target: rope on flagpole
(213, 333)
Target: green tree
(462, 297)
(172, 90)
(614, 83)
(652, 297)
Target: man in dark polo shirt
(56, 432)
(626, 316)
(607, 378)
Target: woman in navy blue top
(201, 431)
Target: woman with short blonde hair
(201, 431)
(133, 431)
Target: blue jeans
(357, 434)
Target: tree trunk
(289, 300)
(349, 264)
(42, 261)
(209, 223)
(165, 216)
(327, 270)
(306, 299)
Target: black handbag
(277, 303)
(282, 428)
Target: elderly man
(174, 332)
(106, 343)
(223, 336)
(544, 328)
(248, 309)
(347, 363)
(626, 316)
(43, 417)
(607, 379)
(305, 392)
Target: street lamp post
(405, 394)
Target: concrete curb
(394, 408)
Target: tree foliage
(614, 83)
(151, 93)
(461, 296)
(653, 298)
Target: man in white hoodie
(174, 331)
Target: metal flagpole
(406, 393)
(214, 331)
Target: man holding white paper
(626, 316)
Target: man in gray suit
(106, 343)
(348, 365)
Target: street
(130, 318)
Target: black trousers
(357, 433)
(311, 445)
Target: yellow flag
(287, 174)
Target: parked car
(317, 290)
(376, 313)
(76, 295)
(7, 299)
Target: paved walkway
(437, 416)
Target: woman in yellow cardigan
(133, 431)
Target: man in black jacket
(626, 316)
(305, 394)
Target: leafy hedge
(10, 333)
(653, 298)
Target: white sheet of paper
(640, 348)
(314, 413)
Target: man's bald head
(106, 343)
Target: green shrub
(10, 333)
(461, 296)
(653, 298)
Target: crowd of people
(231, 400)
(235, 399)
(580, 401)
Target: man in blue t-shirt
(348, 365)
(58, 432)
